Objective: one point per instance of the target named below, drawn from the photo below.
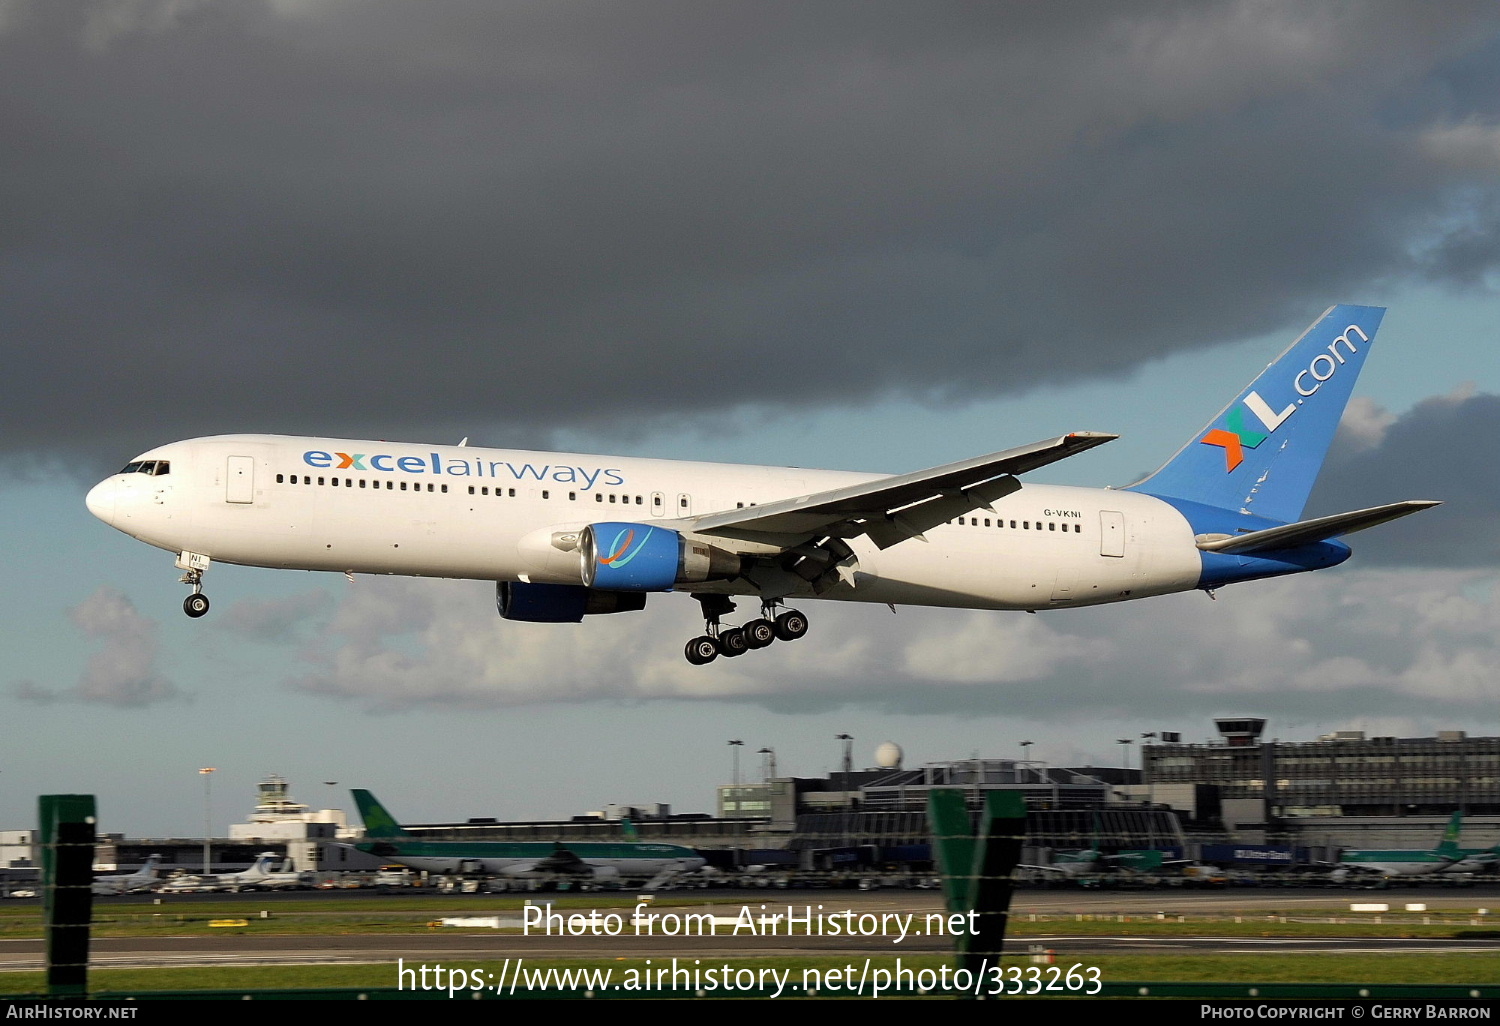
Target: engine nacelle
(640, 557)
(605, 872)
(561, 603)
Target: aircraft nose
(101, 500)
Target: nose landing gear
(194, 564)
(735, 641)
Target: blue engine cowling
(561, 603)
(642, 557)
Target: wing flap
(894, 509)
(914, 521)
(1306, 532)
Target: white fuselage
(626, 867)
(490, 514)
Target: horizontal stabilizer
(1307, 532)
(938, 494)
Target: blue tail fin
(1263, 451)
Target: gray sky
(413, 220)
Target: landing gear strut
(735, 641)
(196, 604)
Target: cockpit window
(155, 468)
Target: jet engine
(640, 557)
(561, 603)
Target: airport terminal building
(1241, 799)
(1343, 789)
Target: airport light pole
(207, 772)
(848, 740)
(736, 745)
(1024, 745)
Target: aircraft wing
(1306, 532)
(561, 861)
(892, 509)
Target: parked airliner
(597, 860)
(565, 536)
(1393, 862)
(142, 879)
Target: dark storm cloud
(420, 219)
(1437, 450)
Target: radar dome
(888, 755)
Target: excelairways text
(434, 463)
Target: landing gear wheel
(195, 605)
(791, 625)
(759, 633)
(701, 650)
(732, 643)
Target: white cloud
(1468, 146)
(1323, 647)
(1365, 422)
(984, 648)
(123, 671)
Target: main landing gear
(196, 604)
(735, 641)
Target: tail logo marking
(1234, 438)
(1238, 437)
(1331, 360)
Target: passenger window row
(1024, 525)
(345, 482)
(416, 486)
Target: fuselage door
(1111, 533)
(658, 504)
(684, 506)
(240, 479)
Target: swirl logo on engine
(622, 553)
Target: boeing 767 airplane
(566, 536)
